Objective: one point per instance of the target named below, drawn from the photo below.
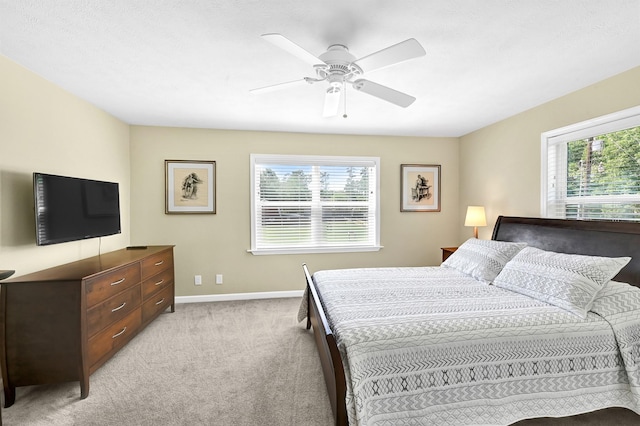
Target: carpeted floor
(225, 363)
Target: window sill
(305, 250)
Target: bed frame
(595, 238)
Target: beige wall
(500, 164)
(45, 129)
(217, 244)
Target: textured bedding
(432, 346)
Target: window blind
(593, 170)
(313, 203)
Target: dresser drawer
(157, 263)
(108, 284)
(157, 283)
(112, 309)
(156, 304)
(114, 337)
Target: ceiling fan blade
(285, 44)
(332, 102)
(383, 92)
(280, 86)
(400, 52)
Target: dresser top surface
(84, 268)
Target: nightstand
(447, 251)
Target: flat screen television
(70, 209)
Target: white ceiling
(191, 63)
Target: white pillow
(482, 259)
(569, 281)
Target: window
(311, 204)
(591, 170)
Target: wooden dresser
(61, 324)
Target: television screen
(69, 209)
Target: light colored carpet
(226, 363)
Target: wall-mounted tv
(70, 209)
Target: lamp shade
(475, 216)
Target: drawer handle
(119, 334)
(119, 307)
(159, 263)
(161, 300)
(120, 281)
(159, 282)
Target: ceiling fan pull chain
(345, 101)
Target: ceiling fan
(338, 68)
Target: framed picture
(190, 186)
(420, 188)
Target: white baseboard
(239, 296)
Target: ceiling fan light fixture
(332, 101)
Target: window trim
(608, 123)
(312, 160)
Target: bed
(469, 344)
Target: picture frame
(190, 187)
(420, 187)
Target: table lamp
(475, 217)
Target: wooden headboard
(589, 237)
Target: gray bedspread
(431, 346)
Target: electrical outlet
(197, 280)
(218, 278)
